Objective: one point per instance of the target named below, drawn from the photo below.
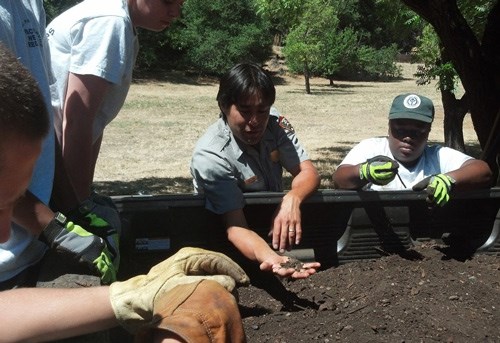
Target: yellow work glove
(80, 245)
(379, 170)
(133, 300)
(438, 187)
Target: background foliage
(340, 38)
(349, 40)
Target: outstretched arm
(42, 314)
(253, 247)
(46, 314)
(287, 227)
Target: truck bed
(338, 226)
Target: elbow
(485, 174)
(480, 175)
(488, 180)
(316, 180)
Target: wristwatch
(54, 227)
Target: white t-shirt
(434, 160)
(97, 38)
(22, 30)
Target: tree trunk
(477, 65)
(454, 114)
(306, 77)
(492, 150)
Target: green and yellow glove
(80, 245)
(379, 170)
(103, 221)
(438, 187)
(133, 301)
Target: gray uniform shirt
(223, 168)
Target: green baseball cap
(412, 106)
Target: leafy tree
(158, 51)
(317, 46)
(345, 56)
(217, 34)
(387, 22)
(474, 52)
(305, 40)
(436, 67)
(281, 14)
(55, 7)
(378, 64)
(339, 54)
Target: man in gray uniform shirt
(245, 150)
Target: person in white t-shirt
(24, 258)
(404, 160)
(185, 298)
(93, 48)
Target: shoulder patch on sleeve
(285, 124)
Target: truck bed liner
(338, 226)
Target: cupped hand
(287, 267)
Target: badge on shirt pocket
(275, 156)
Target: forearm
(305, 183)
(250, 244)
(42, 314)
(77, 156)
(473, 174)
(32, 214)
(347, 177)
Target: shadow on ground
(328, 158)
(326, 161)
(146, 186)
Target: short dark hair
(22, 107)
(245, 80)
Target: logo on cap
(412, 101)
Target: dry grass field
(147, 148)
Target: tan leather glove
(133, 300)
(199, 312)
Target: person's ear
(223, 110)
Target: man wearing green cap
(374, 163)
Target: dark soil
(433, 298)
